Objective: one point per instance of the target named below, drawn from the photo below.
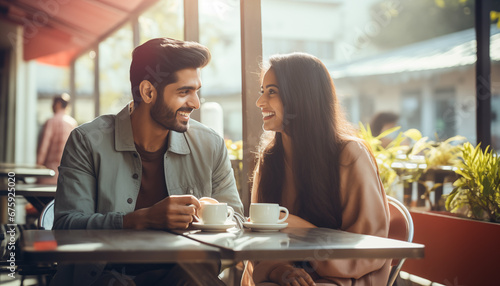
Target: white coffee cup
(267, 213)
(218, 213)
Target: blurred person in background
(381, 122)
(53, 138)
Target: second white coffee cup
(267, 213)
(219, 213)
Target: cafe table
(117, 246)
(304, 244)
(13, 176)
(22, 171)
(38, 195)
(301, 244)
(231, 246)
(155, 246)
(31, 190)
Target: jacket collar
(178, 143)
(124, 139)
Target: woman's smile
(266, 115)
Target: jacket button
(135, 155)
(135, 176)
(130, 200)
(191, 191)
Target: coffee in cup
(218, 213)
(267, 213)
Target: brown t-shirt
(153, 187)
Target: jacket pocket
(194, 190)
(189, 190)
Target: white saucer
(265, 227)
(213, 227)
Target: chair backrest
(400, 228)
(46, 219)
(401, 223)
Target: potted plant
(461, 250)
(477, 190)
(386, 157)
(441, 159)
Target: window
(50, 81)
(411, 110)
(365, 106)
(495, 122)
(164, 19)
(220, 32)
(382, 61)
(324, 50)
(84, 107)
(445, 114)
(115, 55)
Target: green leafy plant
(436, 155)
(446, 153)
(386, 156)
(477, 191)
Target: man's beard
(167, 118)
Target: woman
(312, 163)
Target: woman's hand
(287, 275)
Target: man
(145, 167)
(53, 137)
(381, 122)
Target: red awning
(55, 31)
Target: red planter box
(458, 251)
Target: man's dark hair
(380, 119)
(158, 60)
(64, 99)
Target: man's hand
(173, 212)
(204, 201)
(287, 275)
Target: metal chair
(46, 219)
(400, 228)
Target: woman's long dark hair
(318, 130)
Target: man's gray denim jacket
(100, 175)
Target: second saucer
(265, 227)
(214, 227)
